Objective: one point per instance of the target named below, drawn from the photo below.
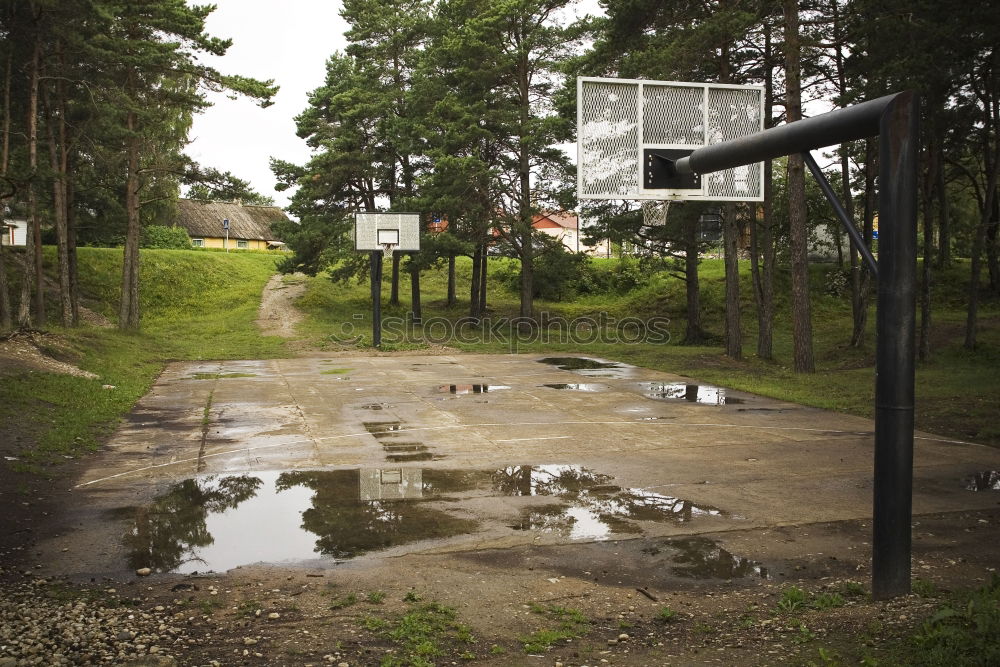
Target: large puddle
(216, 523)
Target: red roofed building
(561, 225)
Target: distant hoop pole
(894, 118)
(376, 271)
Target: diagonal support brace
(841, 213)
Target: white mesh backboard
(618, 119)
(371, 228)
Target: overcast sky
(288, 42)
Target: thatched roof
(204, 219)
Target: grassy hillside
(195, 305)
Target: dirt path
(278, 315)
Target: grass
(424, 633)
(348, 600)
(570, 623)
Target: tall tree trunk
(394, 287)
(128, 310)
(58, 160)
(416, 312)
(801, 309)
(927, 192)
(944, 216)
(74, 282)
(693, 334)
(477, 263)
(986, 213)
(33, 217)
(730, 235)
(6, 313)
(761, 234)
(452, 297)
(861, 279)
(483, 279)
(527, 276)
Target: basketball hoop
(654, 212)
(387, 250)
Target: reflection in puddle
(213, 523)
(381, 429)
(595, 509)
(577, 387)
(988, 480)
(470, 388)
(398, 451)
(217, 523)
(589, 367)
(702, 558)
(693, 393)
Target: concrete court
(750, 462)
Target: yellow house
(249, 227)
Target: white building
(15, 232)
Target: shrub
(165, 238)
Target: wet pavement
(320, 462)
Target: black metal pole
(838, 208)
(376, 270)
(855, 122)
(894, 364)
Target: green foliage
(924, 588)
(213, 185)
(964, 632)
(853, 589)
(666, 615)
(827, 601)
(376, 597)
(429, 631)
(792, 599)
(166, 238)
(348, 600)
(570, 624)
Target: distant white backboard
(373, 229)
(626, 127)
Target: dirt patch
(278, 315)
(27, 351)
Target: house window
(242, 243)
(198, 243)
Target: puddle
(471, 388)
(216, 523)
(221, 376)
(702, 558)
(589, 366)
(692, 393)
(577, 387)
(594, 508)
(988, 480)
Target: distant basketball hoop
(382, 234)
